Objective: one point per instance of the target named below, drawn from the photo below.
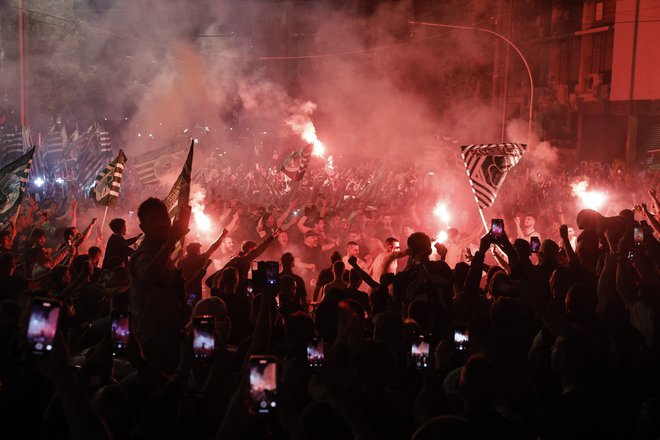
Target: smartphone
(638, 235)
(263, 384)
(535, 244)
(192, 299)
(461, 340)
(44, 316)
(272, 273)
(203, 337)
(120, 331)
(315, 353)
(419, 351)
(631, 255)
(497, 228)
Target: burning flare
(590, 199)
(302, 125)
(441, 212)
(202, 221)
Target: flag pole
(105, 214)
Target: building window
(599, 10)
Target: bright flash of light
(302, 124)
(590, 199)
(441, 237)
(39, 182)
(441, 212)
(309, 136)
(202, 221)
(59, 180)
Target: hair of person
(190, 247)
(68, 232)
(150, 205)
(390, 241)
(247, 246)
(351, 243)
(38, 233)
(94, 251)
(287, 260)
(336, 256)
(419, 243)
(117, 224)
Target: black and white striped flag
(94, 151)
(487, 166)
(108, 182)
(13, 181)
(11, 144)
(53, 153)
(180, 194)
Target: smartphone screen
(203, 337)
(120, 331)
(272, 273)
(419, 352)
(315, 353)
(461, 340)
(263, 384)
(42, 327)
(638, 236)
(497, 227)
(535, 244)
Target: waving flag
(295, 165)
(13, 180)
(11, 143)
(53, 149)
(93, 151)
(155, 165)
(180, 193)
(487, 166)
(108, 182)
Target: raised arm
(364, 276)
(566, 243)
(254, 253)
(301, 225)
(85, 235)
(282, 218)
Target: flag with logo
(180, 193)
(157, 165)
(295, 165)
(487, 166)
(108, 182)
(13, 181)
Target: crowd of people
(377, 328)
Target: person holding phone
(157, 290)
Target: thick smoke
(382, 88)
(541, 157)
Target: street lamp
(510, 43)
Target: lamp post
(507, 41)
